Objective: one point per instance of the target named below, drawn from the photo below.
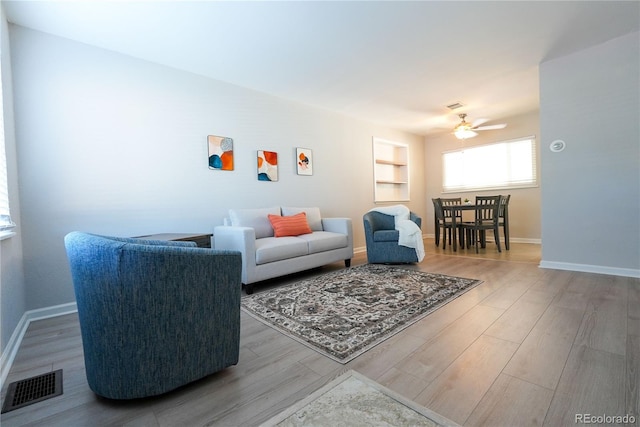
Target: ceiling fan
(466, 130)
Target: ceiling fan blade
(491, 127)
(478, 122)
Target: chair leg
(444, 237)
(506, 235)
(496, 235)
(477, 235)
(437, 233)
(471, 237)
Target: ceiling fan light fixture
(464, 132)
(463, 129)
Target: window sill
(7, 234)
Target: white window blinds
(5, 215)
(509, 164)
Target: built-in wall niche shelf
(390, 171)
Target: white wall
(115, 145)
(12, 296)
(591, 190)
(524, 205)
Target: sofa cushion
(254, 218)
(321, 241)
(293, 225)
(313, 216)
(386, 236)
(271, 249)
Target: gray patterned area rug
(344, 313)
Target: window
(5, 217)
(509, 164)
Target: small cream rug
(354, 400)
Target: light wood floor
(527, 347)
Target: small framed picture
(304, 161)
(267, 165)
(220, 153)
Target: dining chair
(503, 218)
(443, 220)
(438, 218)
(486, 218)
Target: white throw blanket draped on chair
(410, 233)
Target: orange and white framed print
(304, 160)
(220, 153)
(267, 165)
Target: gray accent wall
(591, 190)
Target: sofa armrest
(337, 225)
(241, 239)
(340, 225)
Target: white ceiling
(394, 63)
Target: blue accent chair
(382, 239)
(154, 315)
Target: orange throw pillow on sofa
(293, 225)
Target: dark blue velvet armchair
(154, 315)
(382, 239)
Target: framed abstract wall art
(267, 165)
(304, 160)
(220, 152)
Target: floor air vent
(32, 390)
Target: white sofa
(265, 256)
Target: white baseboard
(586, 268)
(525, 240)
(9, 353)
